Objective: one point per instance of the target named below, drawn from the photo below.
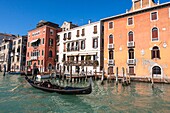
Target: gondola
(48, 87)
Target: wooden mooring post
(152, 81)
(70, 73)
(116, 75)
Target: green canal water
(17, 96)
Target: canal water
(17, 96)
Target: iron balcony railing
(131, 61)
(131, 44)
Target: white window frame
(132, 21)
(112, 25)
(158, 34)
(151, 16)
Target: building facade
(18, 54)
(41, 46)
(138, 40)
(80, 48)
(5, 49)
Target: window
(50, 43)
(130, 21)
(65, 36)
(156, 70)
(14, 42)
(130, 35)
(50, 54)
(38, 62)
(95, 43)
(110, 25)
(131, 70)
(95, 29)
(58, 38)
(19, 41)
(111, 39)
(68, 47)
(72, 46)
(4, 47)
(155, 34)
(110, 70)
(28, 54)
(43, 41)
(154, 16)
(111, 54)
(83, 44)
(131, 53)
(51, 32)
(41, 62)
(83, 32)
(78, 33)
(42, 52)
(155, 53)
(17, 58)
(69, 35)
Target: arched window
(111, 39)
(131, 53)
(156, 70)
(154, 34)
(130, 34)
(50, 54)
(155, 53)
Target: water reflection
(18, 96)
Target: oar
(15, 88)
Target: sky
(20, 16)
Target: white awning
(72, 54)
(94, 53)
(34, 40)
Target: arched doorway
(156, 71)
(34, 66)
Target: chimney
(89, 21)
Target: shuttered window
(130, 21)
(155, 53)
(155, 34)
(110, 39)
(154, 16)
(130, 36)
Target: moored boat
(48, 87)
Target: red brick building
(139, 40)
(41, 46)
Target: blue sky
(19, 16)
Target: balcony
(34, 57)
(131, 61)
(131, 44)
(110, 46)
(111, 62)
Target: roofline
(134, 12)
(79, 27)
(40, 27)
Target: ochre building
(139, 40)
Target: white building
(18, 54)
(80, 47)
(5, 48)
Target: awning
(73, 54)
(93, 53)
(34, 40)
